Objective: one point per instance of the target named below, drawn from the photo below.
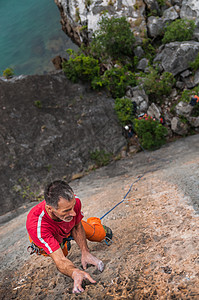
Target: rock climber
(51, 225)
(194, 100)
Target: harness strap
(35, 249)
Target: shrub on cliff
(116, 81)
(151, 134)
(125, 110)
(80, 67)
(8, 73)
(114, 38)
(156, 86)
(179, 30)
(194, 65)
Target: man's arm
(79, 236)
(66, 267)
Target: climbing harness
(34, 249)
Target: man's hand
(78, 276)
(88, 258)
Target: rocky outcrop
(49, 128)
(176, 57)
(80, 19)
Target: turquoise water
(30, 36)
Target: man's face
(65, 211)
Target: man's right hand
(78, 276)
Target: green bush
(80, 67)
(151, 134)
(116, 81)
(149, 50)
(179, 30)
(125, 110)
(101, 158)
(187, 94)
(8, 73)
(195, 111)
(156, 86)
(114, 38)
(38, 104)
(195, 64)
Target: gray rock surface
(155, 232)
(178, 126)
(48, 129)
(176, 57)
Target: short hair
(55, 190)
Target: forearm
(66, 267)
(63, 264)
(79, 236)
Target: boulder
(139, 52)
(175, 57)
(57, 62)
(191, 80)
(179, 127)
(143, 64)
(155, 26)
(170, 15)
(183, 109)
(154, 111)
(189, 9)
(194, 121)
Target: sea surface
(30, 36)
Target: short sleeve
(47, 242)
(79, 214)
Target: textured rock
(154, 254)
(179, 127)
(175, 57)
(194, 121)
(154, 111)
(155, 26)
(48, 128)
(183, 109)
(88, 13)
(189, 9)
(143, 64)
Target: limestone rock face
(175, 57)
(74, 16)
(189, 9)
(49, 127)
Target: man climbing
(194, 100)
(53, 222)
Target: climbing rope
(124, 197)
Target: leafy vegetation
(195, 111)
(186, 94)
(101, 158)
(114, 38)
(27, 192)
(116, 81)
(80, 67)
(148, 49)
(179, 30)
(195, 64)
(156, 86)
(38, 104)
(151, 134)
(125, 110)
(8, 73)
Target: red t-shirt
(47, 233)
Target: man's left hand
(88, 258)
